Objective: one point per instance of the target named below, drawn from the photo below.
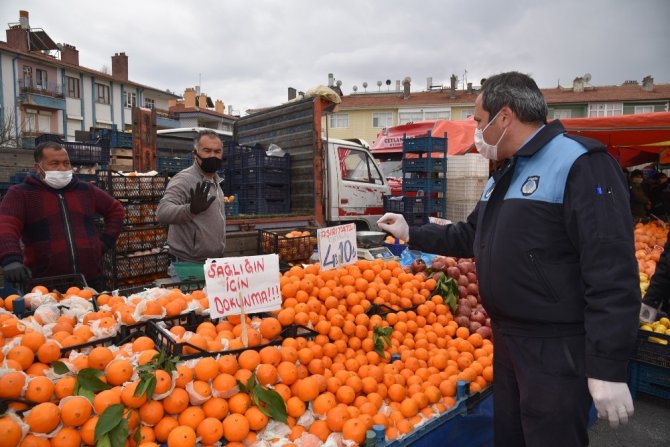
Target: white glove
(647, 313)
(396, 225)
(612, 400)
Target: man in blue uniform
(553, 240)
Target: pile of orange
(337, 375)
(650, 238)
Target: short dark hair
(38, 153)
(517, 91)
(203, 133)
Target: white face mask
(58, 179)
(488, 151)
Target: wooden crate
(121, 159)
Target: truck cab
(354, 185)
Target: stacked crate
(261, 182)
(140, 255)
(81, 153)
(467, 176)
(424, 183)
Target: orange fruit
(319, 428)
(270, 327)
(295, 407)
(43, 418)
(11, 384)
(256, 418)
(235, 427)
(163, 381)
(164, 427)
(10, 432)
(75, 411)
(40, 389)
(65, 386)
(33, 340)
(206, 369)
(22, 354)
(99, 357)
(354, 429)
(176, 402)
(181, 436)
(34, 441)
(216, 407)
(129, 398)
(192, 417)
(104, 399)
(152, 412)
(118, 372)
(239, 403)
(210, 430)
(88, 431)
(66, 437)
(249, 359)
(336, 417)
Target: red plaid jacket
(57, 227)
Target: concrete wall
(13, 160)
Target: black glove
(199, 201)
(17, 273)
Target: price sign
(249, 283)
(337, 246)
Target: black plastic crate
(116, 138)
(653, 348)
(172, 165)
(142, 213)
(141, 238)
(133, 187)
(170, 346)
(288, 248)
(415, 219)
(404, 204)
(120, 268)
(60, 283)
(188, 319)
(265, 206)
(188, 286)
(86, 346)
(259, 159)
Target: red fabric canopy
(460, 136)
(631, 139)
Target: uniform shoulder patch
(530, 185)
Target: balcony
(165, 119)
(48, 96)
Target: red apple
(472, 277)
(485, 332)
(463, 280)
(478, 316)
(473, 288)
(453, 272)
(462, 321)
(474, 326)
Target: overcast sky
(248, 52)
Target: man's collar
(541, 138)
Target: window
(382, 119)
(606, 109)
(357, 166)
(410, 117)
(102, 93)
(467, 113)
(27, 76)
(644, 109)
(131, 99)
(560, 114)
(149, 103)
(72, 87)
(339, 120)
(437, 115)
(41, 79)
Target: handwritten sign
(250, 283)
(337, 246)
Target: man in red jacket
(53, 214)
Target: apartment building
(364, 114)
(45, 90)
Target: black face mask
(210, 164)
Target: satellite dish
(355, 88)
(587, 77)
(379, 83)
(388, 82)
(338, 83)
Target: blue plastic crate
(404, 204)
(256, 158)
(260, 175)
(649, 379)
(172, 165)
(653, 348)
(250, 191)
(436, 205)
(424, 164)
(427, 185)
(424, 144)
(265, 206)
(116, 138)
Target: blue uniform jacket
(552, 236)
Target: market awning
(631, 139)
(460, 135)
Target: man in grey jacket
(193, 205)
